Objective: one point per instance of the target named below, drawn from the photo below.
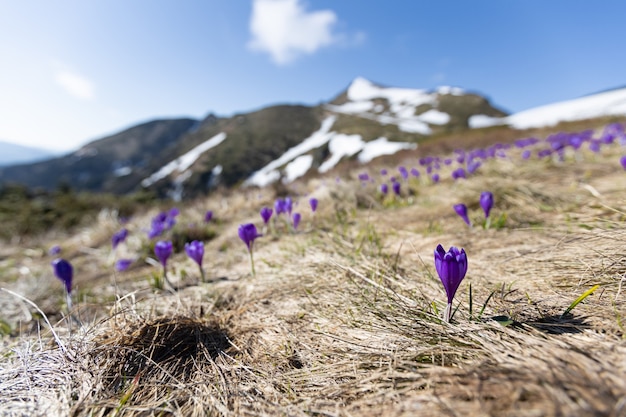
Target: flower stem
(447, 313)
(202, 276)
(252, 263)
(167, 280)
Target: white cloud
(285, 29)
(75, 84)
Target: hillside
(344, 315)
(114, 163)
(153, 155)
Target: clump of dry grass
(344, 318)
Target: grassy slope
(339, 319)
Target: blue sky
(72, 71)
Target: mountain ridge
(178, 154)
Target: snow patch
(353, 107)
(478, 121)
(434, 117)
(382, 146)
(122, 171)
(183, 162)
(341, 146)
(269, 173)
(602, 104)
(298, 167)
(455, 91)
(414, 126)
(362, 89)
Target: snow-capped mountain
(186, 157)
(607, 103)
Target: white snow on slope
(269, 173)
(340, 146)
(403, 103)
(602, 104)
(434, 117)
(183, 162)
(382, 146)
(297, 162)
(482, 120)
(362, 89)
(298, 167)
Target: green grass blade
(579, 299)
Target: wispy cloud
(286, 30)
(75, 84)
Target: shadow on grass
(557, 324)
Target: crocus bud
(119, 237)
(266, 214)
(486, 202)
(451, 267)
(461, 210)
(296, 220)
(163, 250)
(195, 250)
(64, 271)
(248, 233)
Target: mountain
(114, 164)
(11, 154)
(185, 157)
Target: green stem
(202, 276)
(166, 279)
(252, 263)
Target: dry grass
(343, 318)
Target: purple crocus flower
(458, 173)
(119, 237)
(415, 172)
(163, 250)
(526, 154)
(296, 220)
(622, 161)
(383, 172)
(364, 177)
(461, 210)
(313, 203)
(384, 188)
(396, 187)
(63, 270)
(435, 178)
(279, 206)
(472, 166)
(266, 214)
(208, 216)
(248, 233)
(403, 172)
(195, 250)
(122, 265)
(55, 250)
(486, 202)
(288, 205)
(451, 267)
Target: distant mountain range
(186, 157)
(11, 154)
